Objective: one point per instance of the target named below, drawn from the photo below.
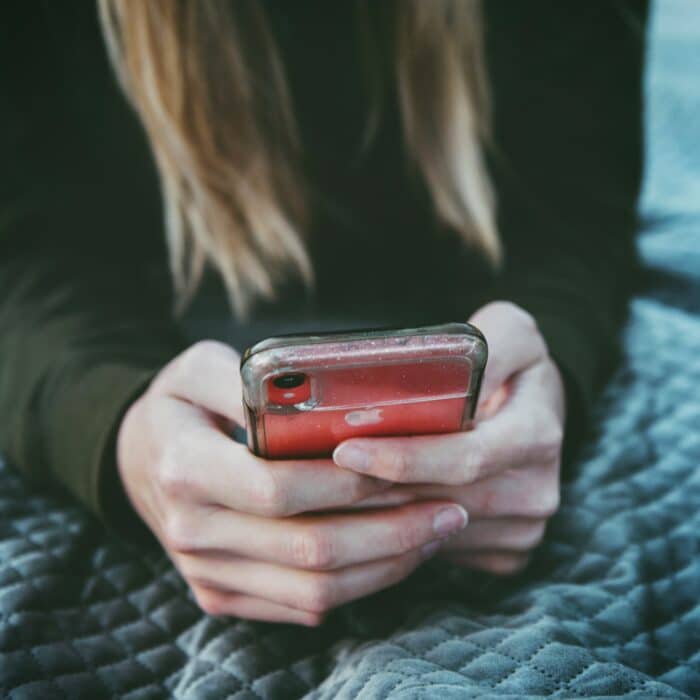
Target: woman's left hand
(505, 471)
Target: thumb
(514, 341)
(207, 375)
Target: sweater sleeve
(84, 311)
(567, 161)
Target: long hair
(207, 82)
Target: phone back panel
(372, 383)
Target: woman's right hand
(240, 528)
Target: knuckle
(541, 348)
(552, 450)
(550, 439)
(313, 549)
(404, 536)
(505, 565)
(358, 487)
(188, 567)
(179, 533)
(314, 620)
(548, 501)
(540, 440)
(518, 314)
(550, 453)
(530, 536)
(173, 476)
(488, 502)
(189, 364)
(401, 567)
(526, 324)
(395, 464)
(524, 317)
(537, 533)
(473, 461)
(204, 350)
(269, 497)
(319, 595)
(209, 601)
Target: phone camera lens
(289, 381)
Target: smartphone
(304, 394)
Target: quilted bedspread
(610, 606)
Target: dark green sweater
(85, 296)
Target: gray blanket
(609, 608)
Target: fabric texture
(609, 608)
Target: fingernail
(450, 520)
(427, 550)
(349, 456)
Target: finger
(396, 496)
(523, 432)
(514, 343)
(208, 375)
(529, 492)
(514, 534)
(502, 563)
(320, 542)
(316, 592)
(203, 465)
(218, 602)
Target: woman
(320, 164)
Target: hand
(505, 472)
(231, 522)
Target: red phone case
(305, 394)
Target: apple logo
(367, 416)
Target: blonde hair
(207, 82)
